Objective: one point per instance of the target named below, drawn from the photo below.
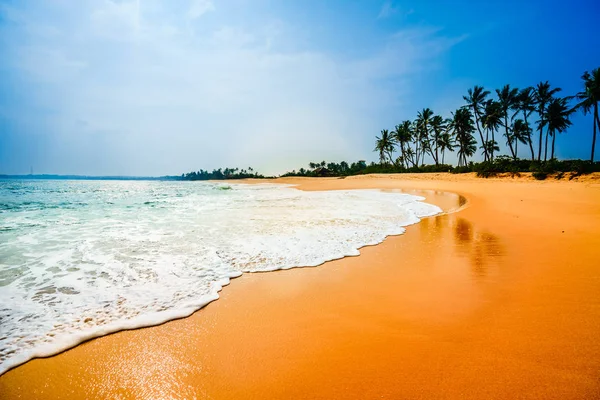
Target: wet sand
(500, 300)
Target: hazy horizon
(154, 87)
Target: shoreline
(444, 311)
(159, 318)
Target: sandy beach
(498, 300)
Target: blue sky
(152, 87)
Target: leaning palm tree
(507, 97)
(542, 95)
(475, 101)
(589, 98)
(384, 146)
(526, 104)
(462, 124)
(522, 133)
(491, 121)
(557, 118)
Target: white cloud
(132, 93)
(388, 9)
(117, 18)
(199, 7)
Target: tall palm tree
(423, 124)
(491, 121)
(557, 119)
(395, 133)
(463, 127)
(402, 135)
(438, 127)
(542, 95)
(507, 97)
(522, 133)
(384, 145)
(475, 100)
(589, 98)
(526, 104)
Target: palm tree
(507, 97)
(526, 104)
(522, 133)
(462, 125)
(410, 156)
(589, 99)
(416, 138)
(542, 95)
(490, 146)
(446, 141)
(423, 124)
(403, 135)
(557, 118)
(384, 145)
(475, 100)
(491, 120)
(438, 127)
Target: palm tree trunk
(531, 148)
(493, 142)
(553, 140)
(485, 154)
(541, 138)
(402, 152)
(596, 122)
(417, 141)
(516, 149)
(436, 150)
(508, 138)
(443, 151)
(530, 141)
(546, 146)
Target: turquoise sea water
(80, 259)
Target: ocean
(81, 259)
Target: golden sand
(500, 300)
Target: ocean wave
(118, 262)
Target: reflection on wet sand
(482, 248)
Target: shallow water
(80, 259)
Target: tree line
(325, 168)
(483, 120)
(221, 174)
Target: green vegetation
(221, 174)
(432, 135)
(324, 168)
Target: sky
(162, 87)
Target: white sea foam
(83, 259)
